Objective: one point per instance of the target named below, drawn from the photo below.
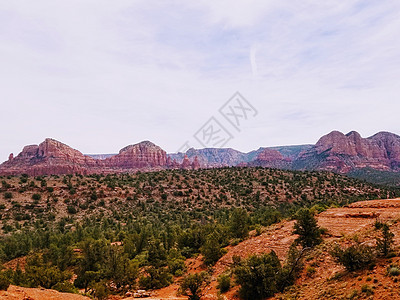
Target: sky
(99, 75)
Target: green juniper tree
(192, 285)
(307, 228)
(384, 245)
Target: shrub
(93, 196)
(5, 185)
(378, 224)
(24, 178)
(176, 266)
(258, 276)
(211, 250)
(43, 275)
(355, 257)
(4, 282)
(71, 209)
(36, 197)
(307, 229)
(191, 285)
(65, 287)
(353, 294)
(224, 283)
(366, 289)
(8, 195)
(239, 224)
(101, 290)
(156, 278)
(291, 269)
(310, 271)
(393, 271)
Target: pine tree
(384, 245)
(211, 250)
(239, 224)
(307, 228)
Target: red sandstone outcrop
(335, 152)
(342, 153)
(271, 159)
(270, 155)
(50, 157)
(172, 164)
(196, 163)
(55, 158)
(391, 143)
(139, 156)
(186, 163)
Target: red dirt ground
(20, 293)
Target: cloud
(100, 75)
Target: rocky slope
(330, 280)
(18, 293)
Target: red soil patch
(12, 264)
(21, 293)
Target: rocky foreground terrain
(321, 278)
(327, 280)
(334, 152)
(116, 234)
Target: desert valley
(199, 150)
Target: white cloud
(99, 75)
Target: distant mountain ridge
(336, 152)
(100, 156)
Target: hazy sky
(99, 75)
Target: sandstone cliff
(334, 152)
(342, 153)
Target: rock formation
(50, 157)
(186, 163)
(139, 156)
(55, 158)
(213, 157)
(334, 152)
(342, 153)
(271, 159)
(196, 164)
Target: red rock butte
(52, 157)
(336, 152)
